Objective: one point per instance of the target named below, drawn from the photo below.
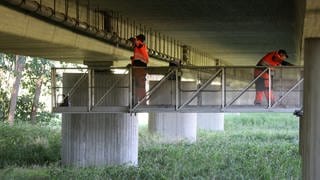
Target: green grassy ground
(253, 146)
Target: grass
(25, 144)
(253, 146)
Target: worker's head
(141, 37)
(282, 54)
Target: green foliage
(36, 68)
(261, 148)
(23, 144)
(23, 108)
(4, 104)
(6, 69)
(7, 62)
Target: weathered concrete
(310, 124)
(26, 35)
(98, 139)
(174, 126)
(210, 121)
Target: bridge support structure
(98, 139)
(310, 125)
(210, 121)
(173, 126)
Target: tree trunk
(36, 97)
(20, 64)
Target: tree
(6, 74)
(39, 74)
(19, 66)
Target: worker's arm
(285, 63)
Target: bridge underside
(27, 35)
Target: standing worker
(271, 59)
(139, 62)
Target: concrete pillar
(172, 127)
(98, 139)
(211, 121)
(310, 124)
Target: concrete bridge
(202, 33)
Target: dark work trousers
(262, 88)
(139, 80)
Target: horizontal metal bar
(171, 108)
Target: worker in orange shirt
(139, 62)
(271, 59)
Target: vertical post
(177, 89)
(130, 90)
(155, 42)
(53, 87)
(66, 7)
(54, 6)
(89, 89)
(88, 13)
(77, 12)
(150, 39)
(269, 89)
(159, 40)
(121, 34)
(171, 47)
(92, 88)
(223, 88)
(127, 28)
(281, 82)
(174, 49)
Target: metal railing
(172, 89)
(109, 26)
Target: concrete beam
(26, 35)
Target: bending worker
(271, 59)
(139, 61)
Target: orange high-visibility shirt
(271, 59)
(140, 52)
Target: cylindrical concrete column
(211, 121)
(99, 139)
(96, 139)
(172, 127)
(310, 122)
